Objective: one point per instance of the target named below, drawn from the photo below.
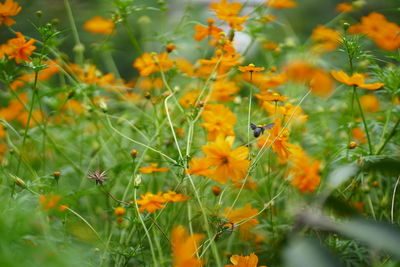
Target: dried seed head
(98, 176)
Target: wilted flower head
(98, 176)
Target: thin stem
(79, 48)
(365, 124)
(392, 133)
(153, 255)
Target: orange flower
(228, 12)
(356, 79)
(344, 7)
(8, 9)
(151, 202)
(370, 103)
(321, 84)
(226, 163)
(185, 66)
(119, 211)
(328, 39)
(2, 131)
(250, 68)
(148, 83)
(51, 201)
(243, 217)
(244, 261)
(203, 32)
(184, 247)
(43, 75)
(199, 166)
(304, 169)
(99, 25)
(219, 120)
(152, 168)
(359, 135)
(277, 140)
(226, 62)
(224, 90)
(271, 96)
(152, 62)
(189, 98)
(174, 197)
(385, 34)
(19, 49)
(281, 3)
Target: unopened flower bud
(119, 211)
(56, 175)
(138, 180)
(216, 190)
(352, 145)
(134, 153)
(18, 181)
(39, 13)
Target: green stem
(392, 133)
(365, 124)
(79, 48)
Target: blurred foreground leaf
(308, 253)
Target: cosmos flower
(281, 3)
(385, 34)
(218, 120)
(99, 25)
(49, 202)
(184, 247)
(250, 68)
(19, 49)
(305, 170)
(356, 79)
(243, 217)
(203, 32)
(149, 63)
(226, 163)
(243, 261)
(8, 9)
(151, 202)
(152, 168)
(344, 7)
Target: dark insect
(259, 129)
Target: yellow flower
(281, 3)
(8, 9)
(184, 247)
(119, 211)
(344, 7)
(304, 169)
(99, 25)
(218, 120)
(370, 103)
(356, 79)
(226, 163)
(243, 217)
(250, 68)
(150, 202)
(19, 49)
(152, 168)
(244, 261)
(150, 63)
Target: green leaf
(308, 253)
(341, 175)
(375, 234)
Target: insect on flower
(259, 129)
